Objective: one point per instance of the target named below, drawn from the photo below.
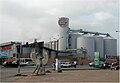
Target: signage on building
(110, 57)
(5, 53)
(8, 47)
(63, 22)
(96, 56)
(96, 59)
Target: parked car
(115, 66)
(101, 64)
(65, 64)
(29, 63)
(15, 64)
(106, 65)
(10, 64)
(73, 64)
(92, 64)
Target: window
(69, 44)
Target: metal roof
(9, 43)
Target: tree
(74, 58)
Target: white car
(66, 64)
(91, 64)
(29, 63)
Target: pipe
(81, 31)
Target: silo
(99, 46)
(87, 42)
(73, 40)
(64, 33)
(110, 46)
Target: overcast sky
(24, 20)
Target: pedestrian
(53, 65)
(75, 64)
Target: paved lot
(75, 76)
(65, 76)
(7, 73)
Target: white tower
(64, 33)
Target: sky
(24, 20)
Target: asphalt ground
(74, 76)
(79, 74)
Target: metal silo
(110, 46)
(73, 40)
(99, 46)
(64, 33)
(87, 42)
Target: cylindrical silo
(87, 42)
(99, 46)
(73, 40)
(110, 46)
(64, 33)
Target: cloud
(102, 16)
(28, 19)
(54, 12)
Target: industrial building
(70, 42)
(91, 42)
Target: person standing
(53, 65)
(75, 64)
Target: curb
(65, 69)
(80, 69)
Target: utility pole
(58, 65)
(56, 60)
(118, 46)
(18, 56)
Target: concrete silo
(99, 45)
(64, 33)
(73, 40)
(87, 42)
(110, 46)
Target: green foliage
(74, 58)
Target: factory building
(71, 42)
(110, 47)
(89, 41)
(64, 33)
(51, 45)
